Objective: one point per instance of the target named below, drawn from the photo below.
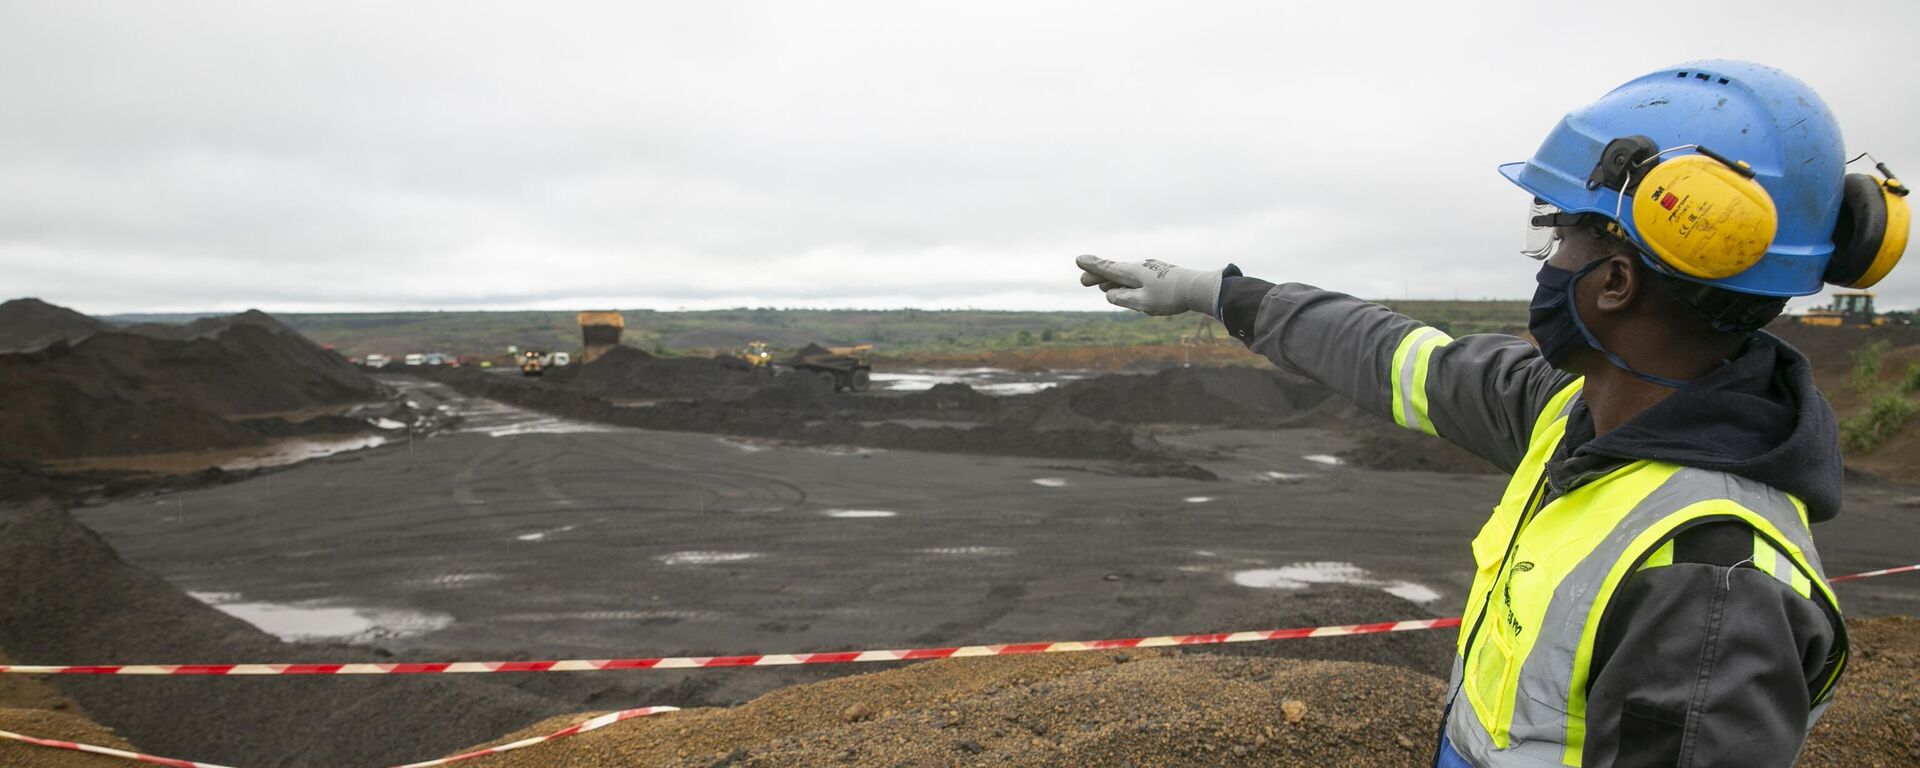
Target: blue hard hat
(1743, 111)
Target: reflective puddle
(967, 551)
(858, 513)
(987, 381)
(316, 620)
(1303, 575)
(706, 558)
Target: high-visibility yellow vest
(1546, 573)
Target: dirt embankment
(1307, 702)
(1139, 357)
(1154, 709)
(217, 383)
(29, 324)
(1099, 418)
(70, 597)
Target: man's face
(1577, 249)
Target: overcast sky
(178, 156)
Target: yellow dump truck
(846, 367)
(599, 332)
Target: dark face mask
(1554, 321)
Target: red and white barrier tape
(763, 660)
(1870, 574)
(692, 662)
(594, 724)
(709, 662)
(582, 727)
(108, 751)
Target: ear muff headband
(1702, 217)
(1870, 234)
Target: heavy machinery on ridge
(847, 369)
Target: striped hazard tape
(690, 662)
(763, 660)
(1870, 574)
(582, 727)
(710, 662)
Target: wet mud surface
(524, 535)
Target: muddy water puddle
(987, 381)
(275, 454)
(1303, 575)
(323, 620)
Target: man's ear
(1620, 283)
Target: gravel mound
(1429, 652)
(28, 324)
(1141, 709)
(56, 725)
(72, 599)
(119, 393)
(1875, 716)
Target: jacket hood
(1758, 417)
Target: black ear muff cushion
(1859, 230)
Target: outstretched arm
(1480, 392)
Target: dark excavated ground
(218, 383)
(1109, 417)
(676, 506)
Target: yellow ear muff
(1703, 218)
(1870, 233)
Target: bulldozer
(1849, 309)
(599, 332)
(757, 356)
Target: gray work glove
(1155, 287)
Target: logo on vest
(1506, 596)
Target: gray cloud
(378, 155)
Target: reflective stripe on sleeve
(1780, 567)
(1409, 377)
(1660, 558)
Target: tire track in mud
(1000, 600)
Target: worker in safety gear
(1647, 592)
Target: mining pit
(645, 506)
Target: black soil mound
(1091, 419)
(625, 372)
(1389, 447)
(116, 393)
(28, 324)
(210, 327)
(71, 599)
(1214, 396)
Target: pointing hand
(1154, 287)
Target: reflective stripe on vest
(1409, 377)
(1547, 571)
